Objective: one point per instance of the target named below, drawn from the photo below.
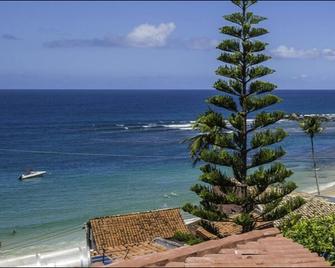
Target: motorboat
(32, 174)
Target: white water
(75, 257)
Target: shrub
(316, 234)
(187, 238)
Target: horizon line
(148, 89)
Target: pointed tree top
(244, 3)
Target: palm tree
(312, 125)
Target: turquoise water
(110, 152)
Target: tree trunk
(314, 165)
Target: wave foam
(328, 116)
(150, 125)
(180, 126)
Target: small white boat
(32, 174)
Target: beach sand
(329, 192)
(324, 192)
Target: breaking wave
(183, 125)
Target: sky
(155, 44)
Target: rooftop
(315, 206)
(125, 236)
(257, 248)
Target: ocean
(113, 152)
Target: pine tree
(257, 186)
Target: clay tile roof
(122, 230)
(200, 231)
(314, 207)
(127, 252)
(227, 228)
(262, 248)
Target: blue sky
(155, 45)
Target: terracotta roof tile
(227, 228)
(200, 231)
(129, 251)
(260, 248)
(314, 207)
(121, 230)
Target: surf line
(92, 154)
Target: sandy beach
(329, 192)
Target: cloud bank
(284, 52)
(142, 36)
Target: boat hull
(32, 175)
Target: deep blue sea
(111, 152)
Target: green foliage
(274, 210)
(205, 211)
(187, 238)
(226, 102)
(317, 234)
(311, 125)
(266, 155)
(254, 103)
(246, 221)
(264, 119)
(260, 87)
(261, 178)
(267, 137)
(229, 141)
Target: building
(259, 248)
(134, 234)
(315, 206)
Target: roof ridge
(135, 213)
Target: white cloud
(148, 35)
(285, 52)
(293, 53)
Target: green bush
(187, 238)
(316, 234)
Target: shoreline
(326, 193)
(326, 190)
(329, 191)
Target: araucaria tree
(255, 185)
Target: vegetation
(249, 151)
(317, 234)
(210, 227)
(311, 125)
(187, 238)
